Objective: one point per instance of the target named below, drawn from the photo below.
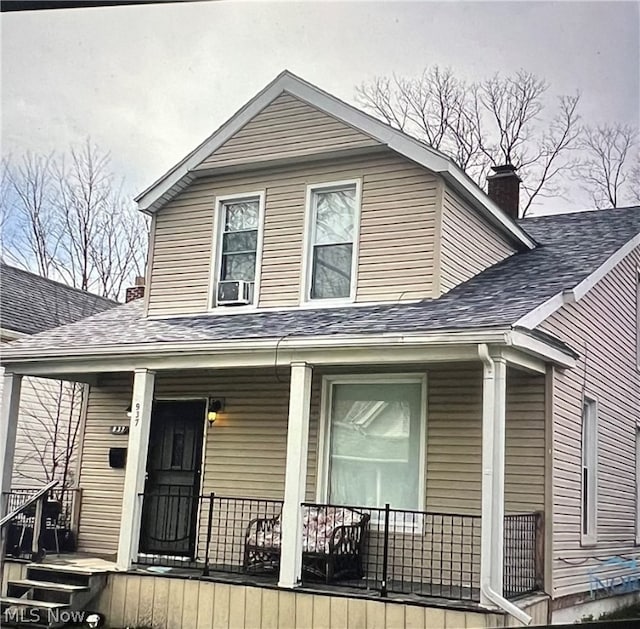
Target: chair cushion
(318, 525)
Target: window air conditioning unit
(234, 293)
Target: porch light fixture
(128, 411)
(215, 406)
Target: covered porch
(450, 435)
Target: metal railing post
(205, 571)
(385, 551)
(37, 529)
(539, 551)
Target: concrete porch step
(49, 585)
(9, 601)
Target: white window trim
(322, 475)
(216, 251)
(307, 247)
(592, 537)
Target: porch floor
(450, 597)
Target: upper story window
(239, 247)
(589, 471)
(333, 212)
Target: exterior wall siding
(49, 414)
(602, 328)
(288, 127)
(245, 450)
(101, 485)
(177, 603)
(468, 244)
(396, 246)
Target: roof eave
(165, 188)
(447, 345)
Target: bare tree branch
(72, 222)
(501, 120)
(609, 169)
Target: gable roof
(30, 303)
(573, 246)
(183, 173)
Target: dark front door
(170, 503)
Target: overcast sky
(149, 83)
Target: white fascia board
(147, 199)
(523, 361)
(468, 188)
(571, 295)
(536, 316)
(581, 289)
(538, 348)
(441, 347)
(11, 335)
(152, 198)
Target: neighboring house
(336, 314)
(49, 409)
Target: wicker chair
(332, 543)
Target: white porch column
(499, 428)
(135, 473)
(493, 463)
(296, 475)
(8, 428)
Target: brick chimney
(135, 292)
(503, 187)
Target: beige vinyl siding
(602, 328)
(47, 409)
(245, 450)
(454, 441)
(161, 602)
(286, 128)
(396, 233)
(101, 485)
(525, 442)
(468, 244)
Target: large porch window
(374, 441)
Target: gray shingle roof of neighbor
(30, 304)
(572, 246)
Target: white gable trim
(181, 175)
(534, 318)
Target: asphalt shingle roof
(30, 304)
(572, 247)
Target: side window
(239, 224)
(333, 228)
(589, 492)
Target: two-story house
(357, 391)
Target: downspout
(489, 412)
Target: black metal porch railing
(58, 526)
(523, 554)
(208, 532)
(385, 550)
(403, 552)
(230, 524)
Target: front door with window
(170, 503)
